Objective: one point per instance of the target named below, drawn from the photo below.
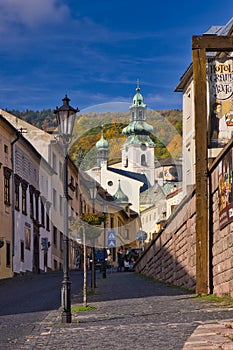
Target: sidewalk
(135, 313)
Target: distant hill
(167, 133)
(41, 119)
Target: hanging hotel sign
(220, 80)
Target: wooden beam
(213, 42)
(200, 105)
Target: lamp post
(65, 118)
(105, 209)
(93, 194)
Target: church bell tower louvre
(138, 149)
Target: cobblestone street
(131, 313)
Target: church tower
(138, 149)
(102, 149)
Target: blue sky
(95, 50)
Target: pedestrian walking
(120, 259)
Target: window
(81, 204)
(22, 251)
(31, 192)
(7, 175)
(37, 194)
(54, 160)
(61, 241)
(54, 198)
(42, 212)
(47, 217)
(17, 182)
(55, 236)
(27, 238)
(61, 204)
(7, 191)
(6, 149)
(8, 254)
(143, 146)
(143, 159)
(24, 197)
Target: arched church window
(143, 159)
(126, 162)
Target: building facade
(220, 127)
(7, 136)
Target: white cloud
(31, 13)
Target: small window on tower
(143, 159)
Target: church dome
(137, 127)
(102, 143)
(120, 196)
(138, 99)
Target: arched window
(143, 159)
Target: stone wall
(171, 256)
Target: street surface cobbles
(135, 313)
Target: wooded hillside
(167, 133)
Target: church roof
(102, 143)
(138, 127)
(135, 176)
(120, 196)
(138, 131)
(138, 99)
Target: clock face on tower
(143, 147)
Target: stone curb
(212, 336)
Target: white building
(225, 132)
(136, 171)
(140, 177)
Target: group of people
(123, 258)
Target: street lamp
(93, 194)
(66, 116)
(105, 209)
